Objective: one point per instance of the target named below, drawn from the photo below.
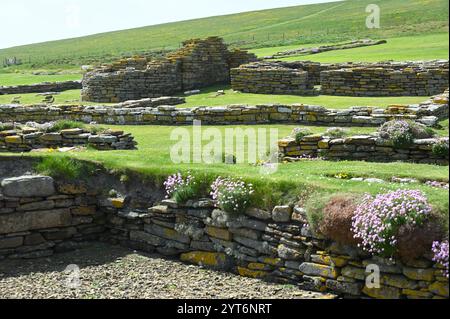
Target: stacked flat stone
(238, 57)
(413, 80)
(41, 87)
(27, 139)
(39, 217)
(270, 79)
(362, 148)
(200, 63)
(146, 112)
(355, 79)
(272, 245)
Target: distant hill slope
(329, 22)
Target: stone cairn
(199, 63)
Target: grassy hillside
(318, 23)
(413, 48)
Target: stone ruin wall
(161, 111)
(200, 63)
(375, 81)
(362, 148)
(40, 216)
(352, 79)
(41, 87)
(28, 139)
(271, 80)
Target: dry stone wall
(271, 245)
(326, 48)
(40, 216)
(269, 79)
(377, 81)
(362, 147)
(146, 112)
(353, 79)
(27, 139)
(41, 87)
(198, 64)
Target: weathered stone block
(28, 186)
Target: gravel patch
(112, 272)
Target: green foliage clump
(63, 167)
(440, 148)
(337, 132)
(402, 133)
(299, 133)
(65, 125)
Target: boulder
(28, 186)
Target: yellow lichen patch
(245, 272)
(204, 258)
(220, 233)
(118, 202)
(14, 139)
(256, 266)
(72, 189)
(272, 261)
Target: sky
(33, 21)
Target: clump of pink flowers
(440, 250)
(175, 182)
(377, 219)
(232, 195)
(437, 184)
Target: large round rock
(28, 186)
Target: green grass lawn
(11, 79)
(414, 48)
(73, 96)
(153, 159)
(207, 98)
(316, 23)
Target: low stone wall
(41, 87)
(362, 147)
(29, 139)
(132, 113)
(199, 63)
(326, 48)
(353, 79)
(255, 78)
(275, 246)
(374, 81)
(39, 217)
